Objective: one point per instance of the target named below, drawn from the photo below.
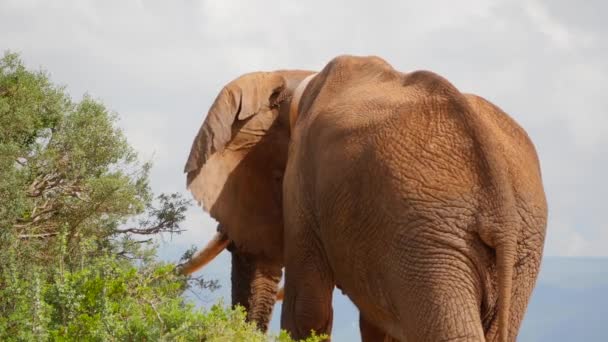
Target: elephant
(424, 205)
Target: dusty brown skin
(423, 204)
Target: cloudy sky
(160, 64)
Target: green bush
(112, 300)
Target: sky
(160, 64)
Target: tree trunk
(255, 286)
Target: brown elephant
(423, 204)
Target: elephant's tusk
(281, 294)
(217, 244)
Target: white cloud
(547, 25)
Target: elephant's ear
(208, 166)
(236, 164)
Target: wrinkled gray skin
(423, 204)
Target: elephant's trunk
(255, 286)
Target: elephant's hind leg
(448, 317)
(309, 284)
(437, 287)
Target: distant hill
(570, 302)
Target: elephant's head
(235, 171)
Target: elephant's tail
(500, 228)
(506, 251)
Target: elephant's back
(415, 148)
(393, 141)
(417, 138)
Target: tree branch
(156, 311)
(37, 236)
(161, 228)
